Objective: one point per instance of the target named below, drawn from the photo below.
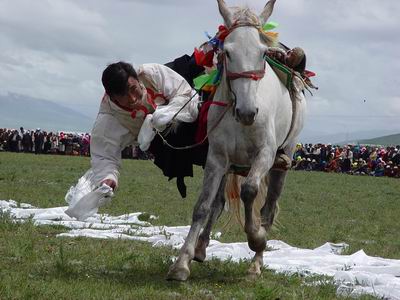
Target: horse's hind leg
(212, 180)
(276, 180)
(216, 210)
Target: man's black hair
(115, 78)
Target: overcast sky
(57, 49)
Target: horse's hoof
(254, 271)
(178, 273)
(252, 276)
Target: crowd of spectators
(350, 159)
(42, 142)
(65, 143)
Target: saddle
(287, 75)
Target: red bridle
(254, 74)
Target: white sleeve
(107, 141)
(177, 91)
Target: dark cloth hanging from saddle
(186, 67)
(179, 163)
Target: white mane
(245, 15)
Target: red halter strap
(254, 75)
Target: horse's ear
(225, 12)
(268, 8)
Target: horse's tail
(232, 196)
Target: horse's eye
(227, 54)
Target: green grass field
(315, 208)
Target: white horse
(257, 124)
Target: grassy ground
(315, 208)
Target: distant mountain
(20, 110)
(393, 139)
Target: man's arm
(108, 138)
(177, 91)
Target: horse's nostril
(247, 117)
(237, 112)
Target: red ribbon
(201, 131)
(204, 59)
(222, 32)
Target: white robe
(115, 129)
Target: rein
(165, 142)
(227, 107)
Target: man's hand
(111, 183)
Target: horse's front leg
(256, 234)
(213, 175)
(216, 210)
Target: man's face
(135, 90)
(133, 98)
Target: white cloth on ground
(354, 274)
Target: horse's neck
(272, 78)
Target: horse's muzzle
(246, 118)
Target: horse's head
(243, 56)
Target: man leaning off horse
(135, 103)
